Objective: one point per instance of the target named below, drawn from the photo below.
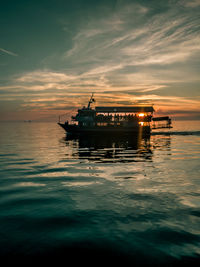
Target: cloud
(190, 3)
(8, 52)
(134, 49)
(153, 41)
(44, 76)
(134, 54)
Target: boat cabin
(114, 116)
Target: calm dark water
(116, 199)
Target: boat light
(141, 114)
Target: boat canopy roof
(133, 109)
(166, 118)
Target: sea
(99, 200)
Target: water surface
(120, 199)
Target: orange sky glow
(125, 52)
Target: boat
(113, 120)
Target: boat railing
(65, 118)
(161, 122)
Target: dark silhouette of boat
(114, 120)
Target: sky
(55, 53)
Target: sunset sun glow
(141, 114)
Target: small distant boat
(114, 120)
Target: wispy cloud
(134, 55)
(45, 76)
(115, 54)
(190, 3)
(153, 41)
(8, 52)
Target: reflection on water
(126, 148)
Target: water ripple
(136, 199)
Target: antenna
(91, 101)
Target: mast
(91, 101)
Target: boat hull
(75, 129)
